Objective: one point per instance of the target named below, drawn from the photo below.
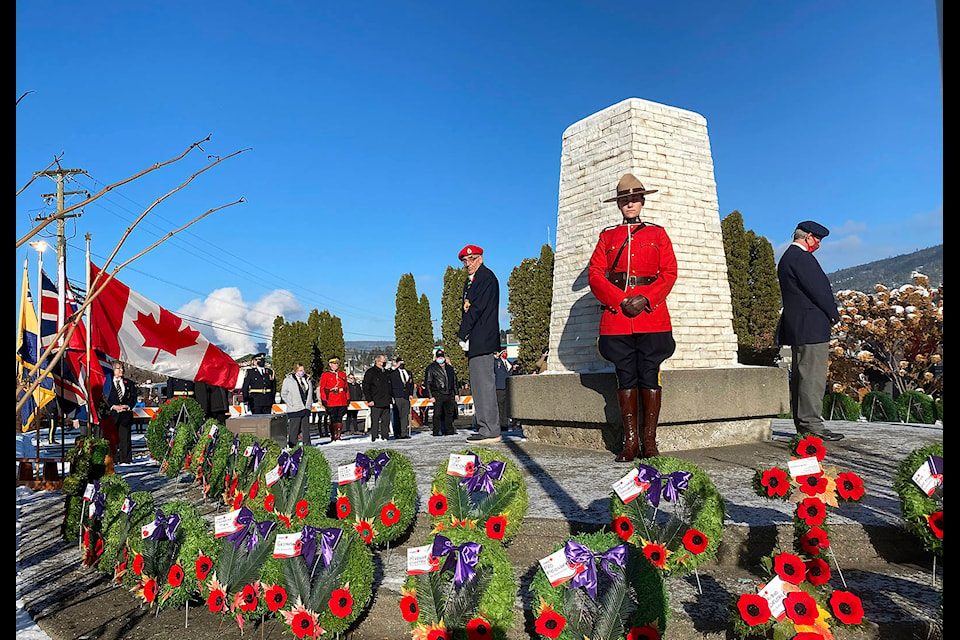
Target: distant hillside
(891, 272)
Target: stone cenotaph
(708, 398)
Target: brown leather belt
(621, 280)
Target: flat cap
(815, 228)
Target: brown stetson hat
(630, 186)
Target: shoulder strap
(624, 245)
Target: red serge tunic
(333, 389)
(649, 252)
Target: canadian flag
(128, 327)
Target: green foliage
(87, 463)
(916, 407)
(915, 505)
(530, 298)
(115, 490)
(878, 406)
(840, 406)
(370, 500)
(413, 330)
(330, 342)
(163, 426)
(451, 314)
(118, 527)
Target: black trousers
(637, 357)
(350, 424)
(379, 423)
(444, 413)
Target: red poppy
(623, 527)
(850, 486)
(811, 446)
(438, 634)
(643, 633)
(237, 500)
(302, 624)
(343, 507)
(469, 468)
(935, 520)
(186, 463)
(754, 609)
(818, 571)
(203, 566)
(248, 598)
(138, 564)
(341, 603)
(775, 481)
(365, 530)
(478, 629)
(303, 508)
(216, 601)
(175, 575)
(814, 540)
(801, 607)
(789, 567)
(656, 553)
(694, 541)
(438, 504)
(846, 607)
(276, 597)
(255, 489)
(284, 519)
(496, 527)
(550, 624)
(813, 484)
(389, 514)
(409, 608)
(812, 511)
(808, 635)
(269, 502)
(150, 590)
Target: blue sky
(381, 137)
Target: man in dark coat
(402, 385)
(809, 312)
(122, 396)
(213, 400)
(440, 383)
(479, 336)
(378, 390)
(259, 387)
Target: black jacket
(440, 380)
(377, 387)
(129, 398)
(480, 323)
(809, 308)
(401, 390)
(355, 391)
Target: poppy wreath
(162, 427)
(296, 489)
(213, 438)
(493, 500)
(382, 502)
(87, 463)
(619, 595)
(235, 465)
(922, 514)
(327, 587)
(677, 522)
(124, 515)
(94, 526)
(469, 597)
(252, 464)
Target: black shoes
(826, 435)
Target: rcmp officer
(335, 396)
(259, 387)
(632, 270)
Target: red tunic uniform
(648, 254)
(333, 389)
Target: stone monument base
(273, 426)
(700, 407)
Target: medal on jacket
(466, 304)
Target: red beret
(470, 250)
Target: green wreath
(158, 435)
(629, 598)
(916, 407)
(123, 516)
(381, 503)
(499, 514)
(301, 497)
(922, 514)
(110, 492)
(87, 462)
(878, 406)
(482, 605)
(235, 465)
(208, 460)
(840, 406)
(676, 536)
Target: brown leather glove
(632, 306)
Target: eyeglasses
(624, 200)
(466, 259)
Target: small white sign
(225, 524)
(248, 451)
(925, 480)
(91, 510)
(804, 466)
(213, 430)
(88, 492)
(557, 569)
(629, 487)
(287, 545)
(461, 465)
(774, 594)
(147, 530)
(272, 476)
(419, 560)
(127, 506)
(348, 473)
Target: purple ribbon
(581, 554)
(483, 474)
(669, 485)
(259, 532)
(329, 538)
(99, 500)
(256, 456)
(244, 519)
(165, 526)
(236, 444)
(376, 465)
(290, 462)
(463, 558)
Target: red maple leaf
(166, 334)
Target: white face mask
(441, 360)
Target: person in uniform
(632, 270)
(122, 396)
(259, 387)
(335, 396)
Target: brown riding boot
(651, 415)
(335, 429)
(629, 410)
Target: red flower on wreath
(808, 635)
(409, 609)
(469, 468)
(150, 590)
(237, 500)
(694, 541)
(811, 446)
(850, 486)
(249, 598)
(389, 514)
(255, 489)
(656, 553)
(269, 502)
(813, 484)
(276, 597)
(438, 504)
(550, 624)
(479, 629)
(812, 511)
(775, 481)
(643, 633)
(175, 575)
(846, 607)
(496, 527)
(343, 507)
(303, 508)
(935, 520)
(623, 527)
(801, 607)
(216, 601)
(818, 571)
(753, 609)
(138, 564)
(341, 603)
(365, 530)
(789, 567)
(284, 519)
(438, 633)
(303, 624)
(814, 540)
(203, 566)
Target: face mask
(441, 360)
(401, 366)
(813, 247)
(260, 363)
(300, 374)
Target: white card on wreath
(461, 465)
(348, 473)
(225, 524)
(287, 545)
(925, 480)
(248, 451)
(272, 476)
(419, 560)
(804, 466)
(88, 492)
(557, 569)
(774, 594)
(147, 530)
(213, 430)
(91, 509)
(627, 487)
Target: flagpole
(36, 411)
(88, 381)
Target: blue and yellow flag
(28, 350)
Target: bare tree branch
(24, 95)
(56, 160)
